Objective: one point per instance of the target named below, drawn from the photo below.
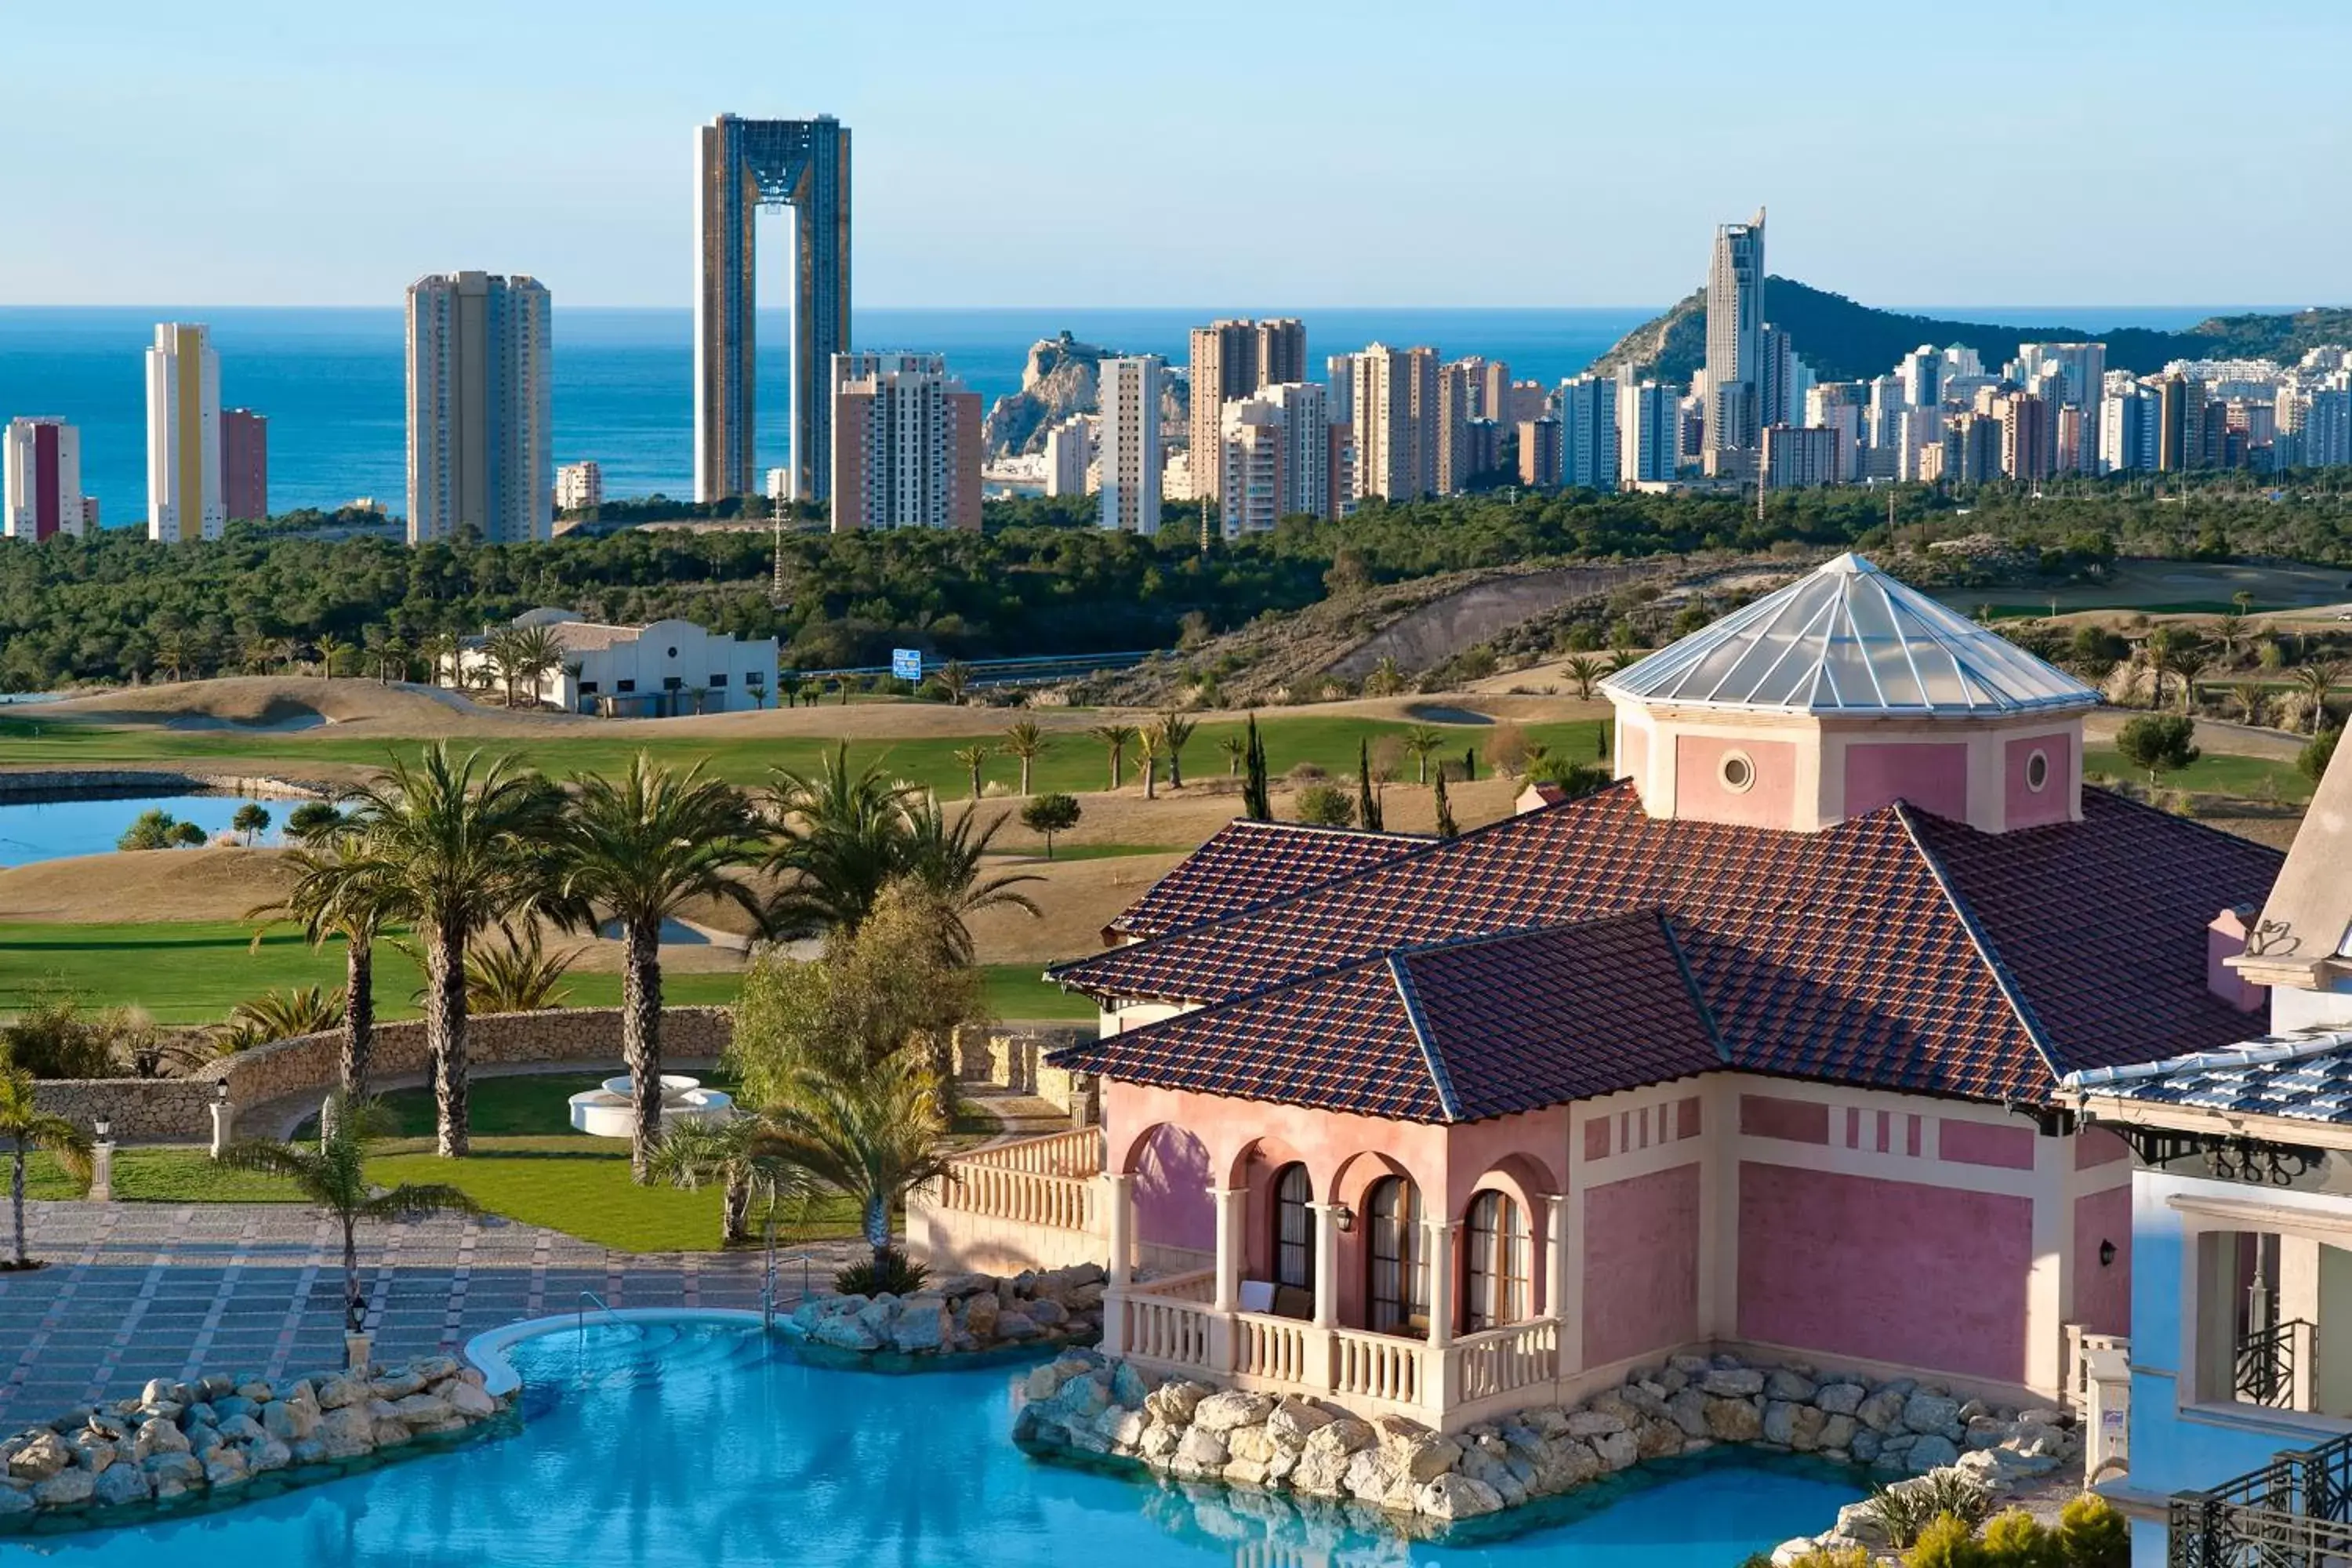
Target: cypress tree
(1445, 828)
(1368, 801)
(1257, 804)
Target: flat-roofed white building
(658, 670)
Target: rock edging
(1084, 1403)
(961, 1314)
(179, 1443)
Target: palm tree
(948, 862)
(1027, 743)
(2162, 643)
(2316, 680)
(1585, 670)
(27, 1127)
(1175, 730)
(2189, 664)
(333, 1179)
(329, 645)
(462, 846)
(1422, 743)
(340, 892)
(171, 652)
(392, 659)
(874, 1135)
(1148, 741)
(536, 652)
(974, 758)
(437, 649)
(640, 850)
(254, 654)
(1116, 738)
(516, 973)
(788, 686)
(732, 1153)
(1236, 749)
(278, 1015)
(837, 842)
(954, 678)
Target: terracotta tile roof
(1247, 863)
(1458, 1032)
(1894, 950)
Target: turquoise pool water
(690, 1446)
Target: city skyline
(959, 208)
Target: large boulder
(1015, 1325)
(1321, 1472)
(1293, 1421)
(846, 1332)
(1200, 1455)
(391, 1385)
(1224, 1411)
(66, 1489)
(157, 1435)
(1731, 1383)
(226, 1468)
(46, 1454)
(1840, 1398)
(1687, 1410)
(348, 1433)
(469, 1400)
(1424, 1456)
(1128, 1386)
(1782, 1384)
(290, 1421)
(121, 1485)
(1733, 1421)
(177, 1467)
(1883, 1411)
(1452, 1497)
(418, 1410)
(1617, 1450)
(1594, 1424)
(1174, 1401)
(1925, 1413)
(1931, 1452)
(921, 1325)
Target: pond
(33, 831)
(701, 1445)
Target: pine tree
(1445, 828)
(1257, 804)
(1367, 800)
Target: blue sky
(1368, 153)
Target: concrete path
(140, 1290)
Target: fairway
(2215, 772)
(2169, 588)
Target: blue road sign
(907, 663)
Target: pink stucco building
(1758, 1047)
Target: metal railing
(588, 1297)
(2291, 1513)
(2264, 1369)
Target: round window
(1738, 771)
(2037, 771)
(673, 653)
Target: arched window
(1497, 1261)
(1398, 1294)
(1294, 1228)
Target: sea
(330, 380)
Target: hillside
(1843, 341)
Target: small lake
(33, 831)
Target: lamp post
(102, 1159)
(223, 1118)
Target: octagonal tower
(1840, 693)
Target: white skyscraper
(2127, 429)
(1130, 444)
(40, 480)
(1649, 432)
(1277, 454)
(1588, 432)
(480, 417)
(1921, 372)
(183, 452)
(1069, 456)
(1735, 312)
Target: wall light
(2107, 1254)
(1344, 1217)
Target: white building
(1649, 433)
(776, 484)
(40, 480)
(1588, 432)
(653, 671)
(1839, 405)
(1070, 456)
(1278, 458)
(1921, 375)
(184, 451)
(579, 485)
(1132, 456)
(479, 409)
(2127, 429)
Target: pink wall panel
(1596, 1137)
(1172, 1207)
(1931, 775)
(1641, 1265)
(1975, 1143)
(1699, 794)
(2054, 802)
(2096, 1146)
(1791, 1120)
(2102, 1294)
(1687, 1118)
(2225, 938)
(1849, 1266)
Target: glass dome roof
(1850, 639)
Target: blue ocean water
(692, 1447)
(330, 380)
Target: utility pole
(776, 540)
(1204, 525)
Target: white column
(223, 1126)
(101, 1171)
(1233, 1213)
(1441, 1282)
(1555, 1301)
(1118, 1212)
(1327, 1264)
(2049, 1285)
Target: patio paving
(140, 1290)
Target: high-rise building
(741, 166)
(1069, 456)
(2026, 444)
(2180, 423)
(2084, 367)
(40, 480)
(1539, 452)
(1128, 438)
(245, 464)
(1340, 375)
(184, 469)
(1495, 392)
(1735, 312)
(1776, 373)
(1921, 372)
(1649, 432)
(1797, 457)
(1588, 433)
(1841, 406)
(479, 414)
(1972, 449)
(580, 487)
(1396, 422)
(1232, 359)
(1278, 459)
(906, 444)
(2128, 417)
(1459, 385)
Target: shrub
(1047, 815)
(2313, 760)
(1906, 1508)
(2092, 1534)
(891, 1272)
(1946, 1543)
(157, 828)
(2018, 1540)
(54, 1038)
(1322, 805)
(1506, 748)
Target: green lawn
(1073, 762)
(193, 972)
(2213, 773)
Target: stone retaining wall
(178, 1110)
(1015, 1059)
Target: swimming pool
(681, 1444)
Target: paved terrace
(140, 1290)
